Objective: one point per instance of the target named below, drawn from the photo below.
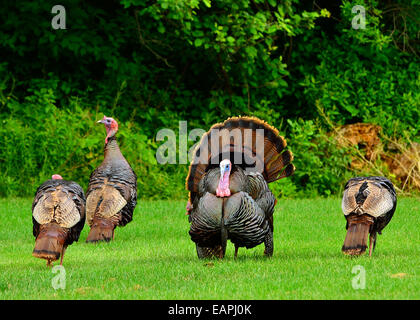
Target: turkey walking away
(112, 192)
(368, 206)
(228, 183)
(58, 217)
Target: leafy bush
(152, 64)
(39, 139)
(321, 166)
(363, 77)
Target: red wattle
(223, 188)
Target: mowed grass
(154, 258)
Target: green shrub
(39, 139)
(361, 76)
(322, 168)
(152, 64)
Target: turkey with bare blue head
(368, 205)
(112, 192)
(228, 183)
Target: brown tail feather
(357, 234)
(50, 242)
(280, 167)
(205, 252)
(101, 230)
(276, 161)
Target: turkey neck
(237, 180)
(112, 150)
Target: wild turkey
(368, 205)
(112, 192)
(58, 217)
(228, 183)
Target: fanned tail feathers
(230, 135)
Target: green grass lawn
(154, 258)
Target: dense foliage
(151, 64)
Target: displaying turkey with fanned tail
(58, 217)
(112, 192)
(368, 206)
(228, 183)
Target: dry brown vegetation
(396, 158)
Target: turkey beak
(100, 121)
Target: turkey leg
(62, 255)
(372, 243)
